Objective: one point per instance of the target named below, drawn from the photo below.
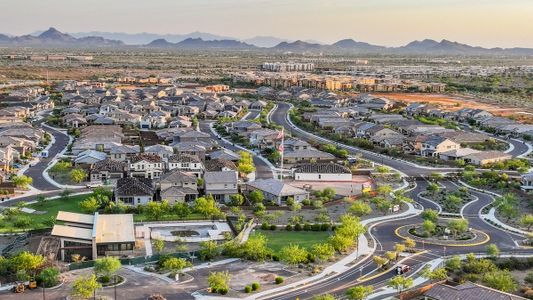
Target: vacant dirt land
(454, 103)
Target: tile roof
(276, 187)
(132, 186)
(467, 291)
(110, 165)
(149, 157)
(176, 175)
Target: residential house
(134, 191)
(108, 169)
(186, 163)
(322, 172)
(435, 145)
(146, 165)
(276, 191)
(177, 186)
(221, 185)
(486, 157)
(163, 151)
(265, 138)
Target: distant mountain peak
(54, 34)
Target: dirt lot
(454, 103)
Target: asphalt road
(262, 171)
(280, 117)
(386, 238)
(36, 171)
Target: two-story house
(186, 163)
(146, 165)
(178, 186)
(134, 191)
(437, 144)
(221, 185)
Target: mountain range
(205, 41)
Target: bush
(104, 279)
(315, 227)
(307, 226)
(247, 289)
(255, 286)
(324, 227)
(297, 227)
(49, 276)
(222, 291)
(288, 227)
(279, 280)
(264, 226)
(272, 227)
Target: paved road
(385, 237)
(253, 113)
(263, 170)
(36, 171)
(279, 117)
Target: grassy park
(281, 238)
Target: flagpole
(282, 150)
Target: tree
(255, 248)
(209, 250)
(106, 267)
(49, 276)
(458, 226)
(340, 242)
(384, 190)
(390, 255)
(293, 254)
(27, 262)
(85, 286)
(176, 265)
(433, 188)
(360, 208)
(61, 167)
(256, 196)
(246, 163)
(382, 204)
(379, 261)
(237, 200)
(492, 250)
(359, 292)
(409, 243)
(219, 282)
(436, 275)
(159, 245)
(22, 181)
(206, 206)
(501, 280)
(507, 210)
(323, 251)
(399, 247)
(77, 175)
(328, 193)
(89, 205)
(527, 221)
(154, 210)
(431, 215)
(429, 227)
(400, 283)
(453, 264)
(454, 201)
(435, 177)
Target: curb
(486, 240)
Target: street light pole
(44, 293)
(115, 285)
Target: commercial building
(93, 236)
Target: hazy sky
(490, 23)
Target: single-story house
(277, 191)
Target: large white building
(288, 67)
(322, 172)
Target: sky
(487, 23)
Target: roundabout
(477, 237)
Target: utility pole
(44, 293)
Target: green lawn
(50, 207)
(279, 238)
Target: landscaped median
(477, 237)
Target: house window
(138, 200)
